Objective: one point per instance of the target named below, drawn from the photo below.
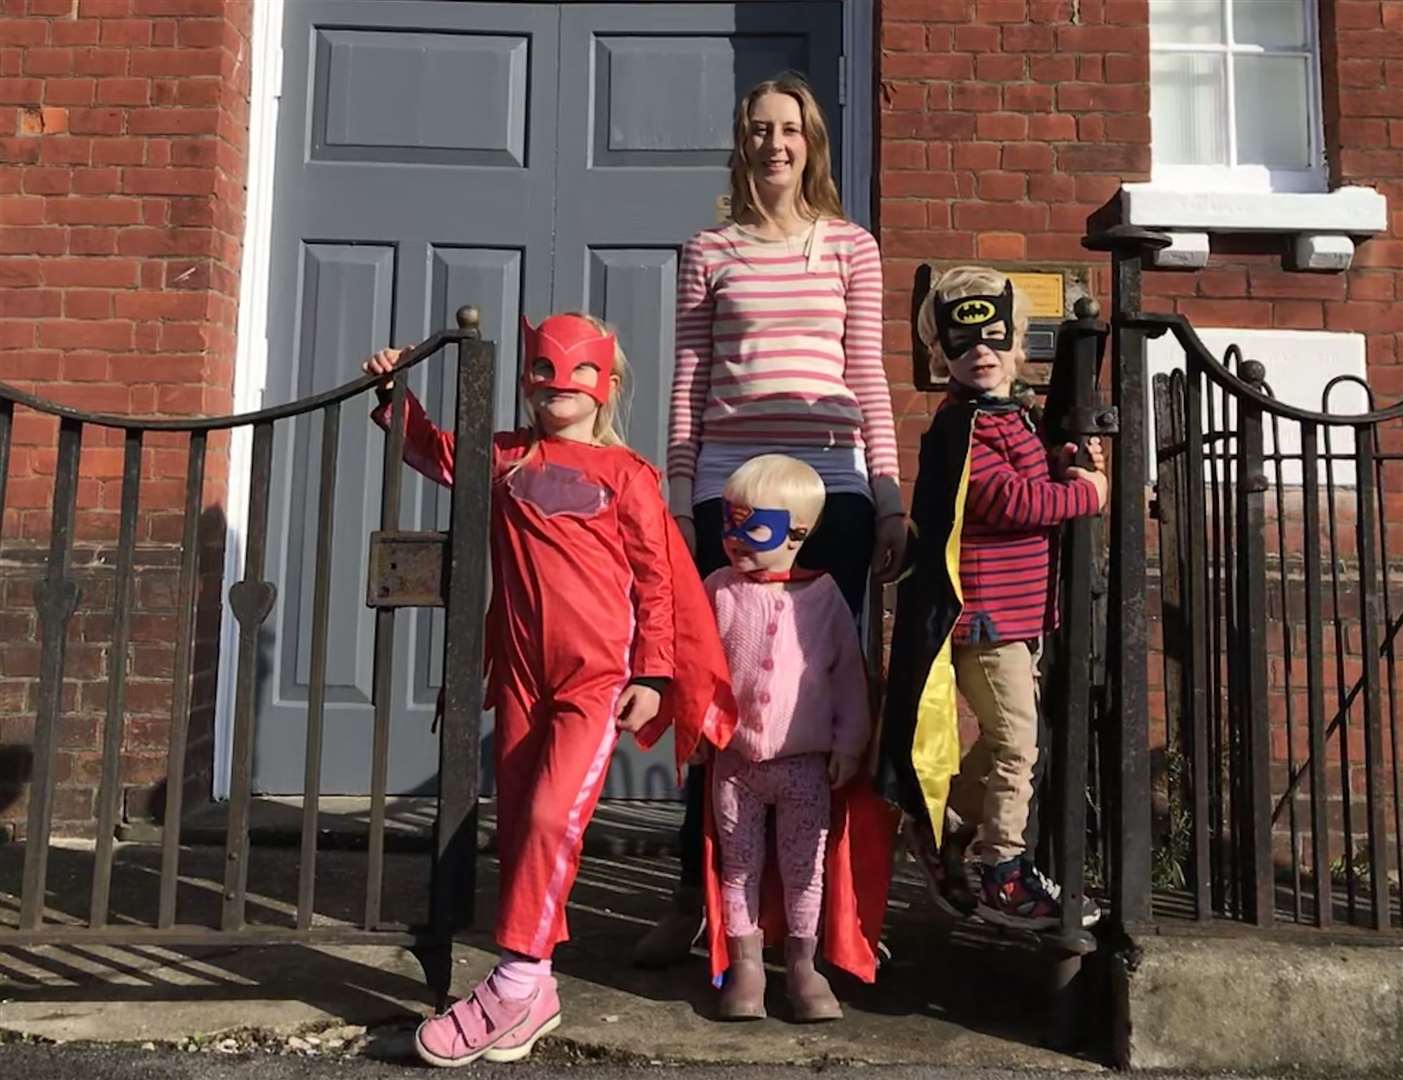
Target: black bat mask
(961, 323)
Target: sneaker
(471, 1027)
(1010, 896)
(543, 1018)
(1090, 912)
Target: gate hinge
(842, 80)
(1092, 420)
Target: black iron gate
(452, 565)
(1281, 796)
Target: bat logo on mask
(974, 312)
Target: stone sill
(1322, 227)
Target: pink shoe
(471, 1027)
(543, 1018)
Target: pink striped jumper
(779, 344)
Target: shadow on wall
(16, 764)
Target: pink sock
(516, 975)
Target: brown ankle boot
(809, 992)
(671, 940)
(743, 996)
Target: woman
(779, 350)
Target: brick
(929, 185)
(22, 210)
(1368, 72)
(976, 156)
(119, 152)
(175, 61)
(1052, 69)
(1298, 314)
(994, 67)
(43, 62)
(977, 39)
(1028, 98)
(1357, 14)
(1008, 247)
(1002, 186)
(1106, 158)
(126, 31)
(91, 241)
(903, 155)
(1245, 313)
(1362, 43)
(1364, 317)
(92, 273)
(87, 304)
(949, 127)
(1377, 102)
(96, 181)
(101, 61)
(33, 304)
(1368, 285)
(981, 217)
(168, 181)
(75, 210)
(95, 121)
(23, 32)
(69, 91)
(124, 92)
(1001, 126)
(179, 305)
(1052, 127)
(1265, 282)
(21, 240)
(21, 91)
(928, 66)
(83, 334)
(173, 121)
(1027, 157)
(903, 96)
(1001, 11)
(1051, 188)
(975, 97)
(65, 150)
(928, 11)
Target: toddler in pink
(800, 685)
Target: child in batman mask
(974, 604)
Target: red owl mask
(568, 343)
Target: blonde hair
(817, 196)
(961, 281)
(780, 482)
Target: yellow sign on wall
(1044, 293)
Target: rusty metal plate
(407, 569)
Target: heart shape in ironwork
(251, 601)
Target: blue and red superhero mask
(568, 343)
(758, 528)
(965, 322)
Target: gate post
(1127, 663)
(453, 880)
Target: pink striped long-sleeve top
(779, 343)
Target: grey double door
(524, 158)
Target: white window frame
(1235, 177)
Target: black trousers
(841, 545)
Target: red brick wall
(1005, 123)
(123, 138)
(1002, 124)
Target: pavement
(115, 1063)
(946, 998)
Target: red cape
(856, 876)
(698, 702)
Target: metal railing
(459, 569)
(1281, 802)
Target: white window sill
(1324, 224)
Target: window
(1235, 95)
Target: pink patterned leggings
(798, 789)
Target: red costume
(592, 588)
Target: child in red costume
(592, 593)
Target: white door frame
(251, 348)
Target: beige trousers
(994, 786)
